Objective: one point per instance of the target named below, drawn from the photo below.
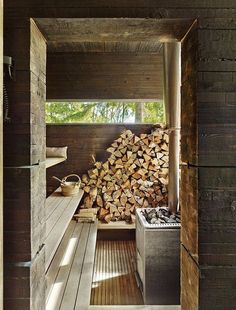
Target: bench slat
(76, 270)
(57, 213)
(71, 279)
(57, 224)
(55, 264)
(52, 202)
(84, 292)
(56, 295)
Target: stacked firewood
(135, 175)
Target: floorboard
(114, 280)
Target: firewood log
(146, 141)
(111, 150)
(116, 194)
(146, 157)
(108, 218)
(86, 189)
(107, 177)
(135, 175)
(113, 208)
(91, 210)
(123, 199)
(107, 197)
(106, 166)
(164, 147)
(120, 209)
(129, 154)
(93, 193)
(140, 153)
(132, 209)
(123, 150)
(124, 158)
(88, 202)
(118, 154)
(127, 216)
(132, 200)
(111, 161)
(99, 201)
(114, 145)
(85, 178)
(143, 136)
(136, 139)
(132, 218)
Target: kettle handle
(72, 175)
(56, 178)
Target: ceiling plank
(111, 34)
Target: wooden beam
(112, 30)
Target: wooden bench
(69, 277)
(59, 211)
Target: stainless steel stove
(158, 261)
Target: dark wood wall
(104, 76)
(24, 171)
(212, 277)
(83, 141)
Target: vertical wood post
(172, 80)
(24, 170)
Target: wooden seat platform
(59, 211)
(69, 277)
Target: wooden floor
(114, 280)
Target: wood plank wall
(83, 141)
(24, 172)
(216, 127)
(104, 76)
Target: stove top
(144, 222)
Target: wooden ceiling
(111, 34)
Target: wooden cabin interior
(180, 52)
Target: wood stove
(158, 261)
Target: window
(105, 112)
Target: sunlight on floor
(105, 276)
(114, 281)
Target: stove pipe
(172, 84)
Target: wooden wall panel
(204, 287)
(208, 196)
(83, 141)
(189, 142)
(189, 209)
(217, 287)
(104, 76)
(189, 281)
(24, 215)
(38, 95)
(25, 285)
(217, 218)
(24, 139)
(25, 174)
